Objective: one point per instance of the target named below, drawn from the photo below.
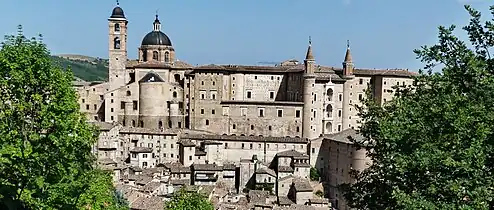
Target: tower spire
(309, 56)
(348, 55)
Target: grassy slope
(95, 70)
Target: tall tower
(347, 87)
(117, 39)
(308, 128)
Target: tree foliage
(432, 146)
(185, 200)
(314, 174)
(45, 142)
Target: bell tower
(117, 39)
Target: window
(203, 96)
(95, 107)
(269, 127)
(160, 124)
(249, 94)
(243, 111)
(167, 57)
(202, 111)
(128, 93)
(280, 113)
(298, 129)
(134, 105)
(261, 112)
(340, 97)
(313, 150)
(250, 146)
(174, 94)
(226, 145)
(190, 157)
(252, 127)
(116, 43)
(297, 113)
(133, 123)
(87, 106)
(271, 95)
(155, 55)
(360, 97)
(339, 127)
(360, 81)
(111, 110)
(213, 95)
(214, 83)
(339, 113)
(234, 126)
(213, 112)
(111, 100)
(83, 101)
(207, 122)
(144, 155)
(226, 111)
(134, 155)
(117, 27)
(202, 82)
(315, 97)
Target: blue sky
(382, 33)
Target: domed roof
(117, 13)
(156, 38)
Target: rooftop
(246, 138)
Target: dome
(156, 38)
(117, 13)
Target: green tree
(184, 200)
(314, 174)
(45, 142)
(432, 146)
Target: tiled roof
(199, 152)
(206, 167)
(290, 153)
(148, 203)
(141, 150)
(180, 181)
(258, 196)
(266, 171)
(151, 187)
(136, 130)
(229, 167)
(284, 200)
(304, 165)
(247, 138)
(103, 126)
(345, 136)
(302, 185)
(289, 177)
(319, 201)
(186, 143)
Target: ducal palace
(241, 126)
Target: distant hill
(84, 67)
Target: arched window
(117, 27)
(160, 124)
(128, 93)
(144, 55)
(177, 78)
(167, 56)
(329, 110)
(155, 55)
(329, 127)
(174, 94)
(329, 94)
(116, 43)
(133, 123)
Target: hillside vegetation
(84, 67)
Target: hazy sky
(382, 33)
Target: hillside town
(246, 137)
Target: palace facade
(229, 123)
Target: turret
(348, 63)
(308, 128)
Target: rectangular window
(144, 155)
(213, 95)
(315, 97)
(297, 113)
(271, 95)
(122, 105)
(360, 81)
(134, 105)
(213, 112)
(202, 111)
(261, 112)
(280, 113)
(87, 106)
(249, 94)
